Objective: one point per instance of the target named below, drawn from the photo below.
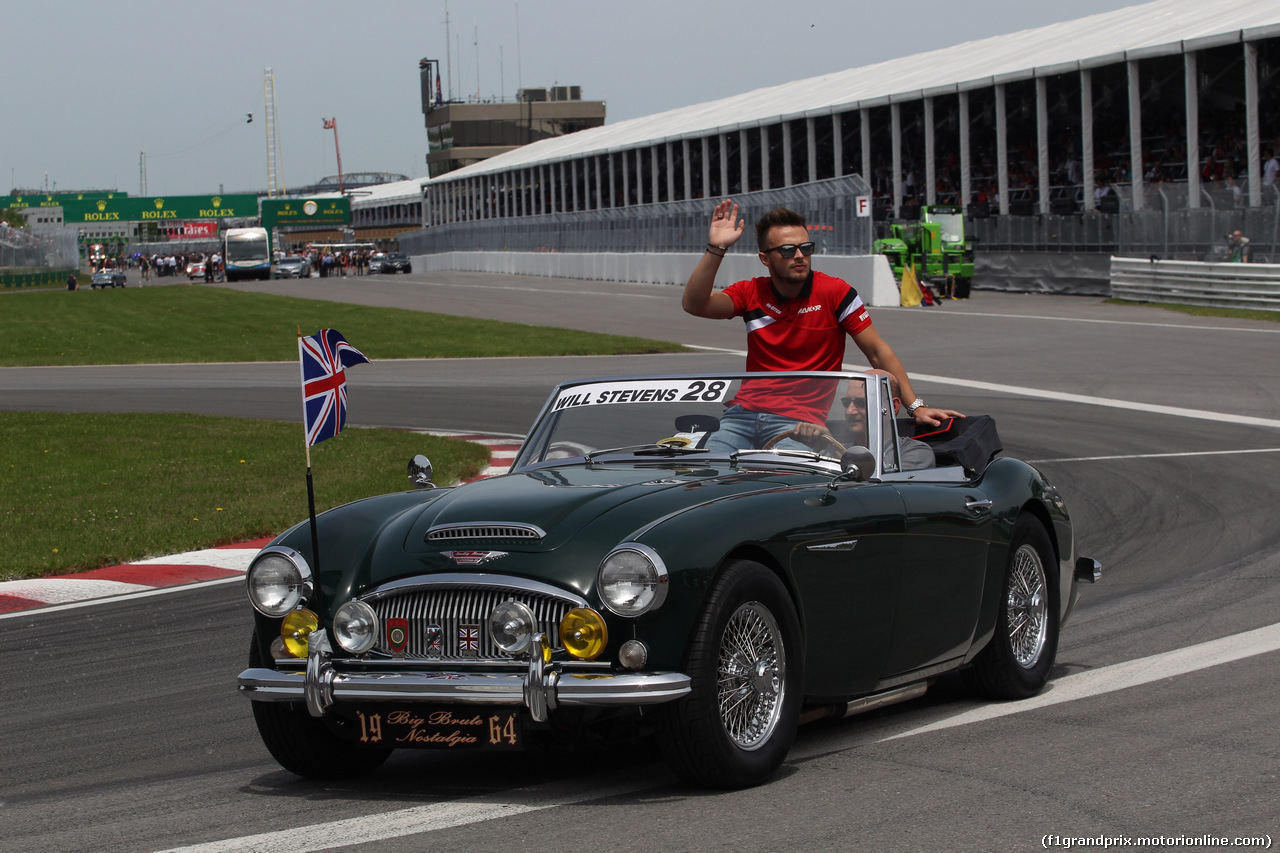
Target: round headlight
(632, 579)
(512, 625)
(295, 629)
(278, 581)
(583, 633)
(355, 627)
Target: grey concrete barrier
(869, 274)
(1254, 286)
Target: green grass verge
(88, 490)
(175, 323)
(1204, 311)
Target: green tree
(13, 217)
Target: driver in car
(796, 319)
(912, 453)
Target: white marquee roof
(1137, 32)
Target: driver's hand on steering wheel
(809, 433)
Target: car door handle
(977, 507)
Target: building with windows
(461, 133)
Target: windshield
(950, 226)
(806, 417)
(247, 248)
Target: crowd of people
(209, 265)
(205, 265)
(1223, 171)
(339, 262)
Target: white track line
(1084, 685)
(1061, 396)
(1197, 453)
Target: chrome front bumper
(542, 689)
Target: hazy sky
(88, 86)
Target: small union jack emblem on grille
(468, 640)
(435, 641)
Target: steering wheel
(823, 436)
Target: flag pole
(311, 491)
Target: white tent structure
(1038, 122)
(1123, 37)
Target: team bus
(245, 254)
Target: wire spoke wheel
(1028, 605)
(751, 676)
(746, 664)
(1016, 662)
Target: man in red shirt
(796, 319)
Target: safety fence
(1166, 228)
(829, 206)
(1219, 285)
(22, 252)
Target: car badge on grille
(435, 641)
(469, 640)
(473, 558)
(397, 634)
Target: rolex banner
(323, 211)
(160, 208)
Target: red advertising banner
(203, 229)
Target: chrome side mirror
(421, 472)
(858, 464)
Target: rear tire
(747, 665)
(303, 744)
(1016, 663)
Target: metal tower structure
(275, 162)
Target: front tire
(1016, 663)
(302, 744)
(747, 666)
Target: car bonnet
(551, 504)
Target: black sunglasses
(788, 250)
(849, 401)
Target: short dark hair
(778, 216)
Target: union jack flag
(469, 640)
(324, 382)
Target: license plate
(437, 728)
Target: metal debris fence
(829, 206)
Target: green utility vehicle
(935, 247)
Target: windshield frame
(881, 426)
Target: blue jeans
(742, 429)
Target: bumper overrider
(542, 688)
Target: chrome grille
(450, 609)
(483, 530)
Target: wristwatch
(915, 404)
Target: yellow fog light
(295, 629)
(583, 633)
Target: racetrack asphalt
(193, 567)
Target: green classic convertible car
(645, 568)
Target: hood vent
(484, 530)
